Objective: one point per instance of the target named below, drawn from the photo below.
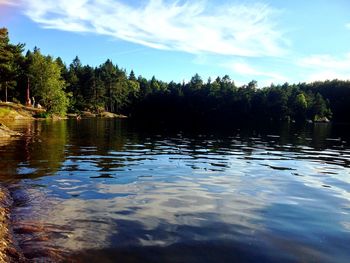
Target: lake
(99, 190)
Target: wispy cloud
(347, 25)
(247, 72)
(326, 61)
(9, 2)
(189, 26)
(326, 67)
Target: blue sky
(270, 41)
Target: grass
(4, 112)
(18, 111)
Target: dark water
(109, 191)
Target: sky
(270, 41)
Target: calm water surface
(108, 191)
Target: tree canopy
(47, 83)
(10, 62)
(107, 87)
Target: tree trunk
(110, 96)
(5, 91)
(28, 101)
(95, 93)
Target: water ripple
(105, 190)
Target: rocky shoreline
(4, 226)
(8, 251)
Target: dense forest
(32, 77)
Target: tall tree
(132, 76)
(299, 107)
(10, 61)
(47, 83)
(196, 82)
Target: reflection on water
(106, 191)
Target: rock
(8, 252)
(72, 115)
(6, 132)
(322, 120)
(107, 114)
(87, 114)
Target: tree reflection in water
(104, 190)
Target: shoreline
(4, 226)
(6, 133)
(11, 250)
(8, 250)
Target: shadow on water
(210, 251)
(105, 190)
(40, 152)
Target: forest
(73, 88)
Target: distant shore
(12, 111)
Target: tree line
(76, 87)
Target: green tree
(196, 82)
(132, 76)
(73, 78)
(47, 83)
(319, 108)
(277, 108)
(299, 107)
(145, 87)
(10, 62)
(154, 85)
(109, 79)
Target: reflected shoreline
(13, 195)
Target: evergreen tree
(10, 61)
(132, 76)
(110, 88)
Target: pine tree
(10, 59)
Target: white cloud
(325, 75)
(189, 26)
(248, 72)
(347, 25)
(326, 67)
(326, 61)
(9, 2)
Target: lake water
(109, 191)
